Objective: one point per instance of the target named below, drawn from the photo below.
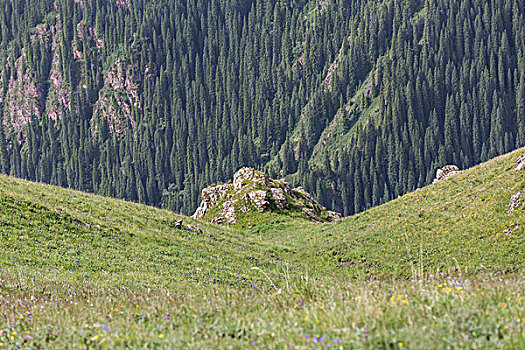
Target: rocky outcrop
(520, 163)
(229, 215)
(246, 175)
(26, 97)
(305, 194)
(210, 197)
(331, 70)
(279, 197)
(59, 94)
(117, 98)
(446, 172)
(23, 100)
(515, 202)
(260, 201)
(252, 191)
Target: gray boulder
(515, 202)
(520, 163)
(446, 172)
(259, 200)
(278, 197)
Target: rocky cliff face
(252, 191)
(118, 97)
(24, 97)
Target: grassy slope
(76, 267)
(45, 228)
(457, 224)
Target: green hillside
(436, 268)
(460, 224)
(82, 235)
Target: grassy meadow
(441, 267)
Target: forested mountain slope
(153, 100)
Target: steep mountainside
(358, 101)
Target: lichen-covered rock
(201, 210)
(515, 202)
(253, 191)
(259, 200)
(310, 214)
(446, 172)
(210, 197)
(249, 175)
(520, 163)
(335, 215)
(285, 186)
(229, 213)
(279, 197)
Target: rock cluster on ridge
(446, 172)
(252, 191)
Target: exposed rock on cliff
(118, 97)
(252, 191)
(23, 99)
(59, 94)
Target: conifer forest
(359, 101)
